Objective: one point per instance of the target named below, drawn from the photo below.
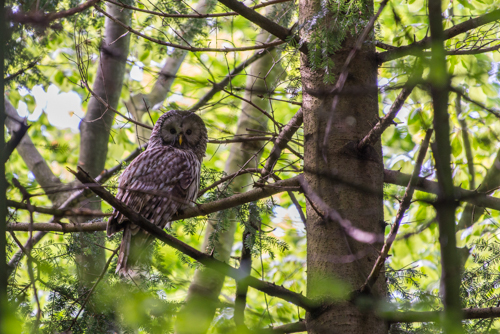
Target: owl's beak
(180, 139)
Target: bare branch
(224, 82)
(430, 316)
(395, 317)
(194, 16)
(299, 326)
(43, 20)
(460, 92)
(58, 212)
(388, 119)
(33, 159)
(479, 199)
(239, 140)
(187, 48)
(281, 142)
(425, 43)
(256, 107)
(205, 259)
(228, 177)
(108, 107)
(405, 204)
(59, 227)
(23, 70)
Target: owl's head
(181, 129)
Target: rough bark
(352, 120)
(139, 104)
(205, 288)
(96, 126)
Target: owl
(161, 181)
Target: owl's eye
(172, 131)
(188, 132)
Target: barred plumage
(162, 180)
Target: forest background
(301, 208)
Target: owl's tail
(132, 249)
(122, 266)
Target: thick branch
(203, 258)
(58, 212)
(430, 316)
(394, 317)
(467, 143)
(390, 176)
(425, 43)
(263, 22)
(476, 198)
(58, 227)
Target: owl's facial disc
(181, 132)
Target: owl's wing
(156, 184)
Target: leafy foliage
(278, 238)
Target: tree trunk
(203, 293)
(95, 128)
(325, 166)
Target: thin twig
(388, 119)
(183, 47)
(103, 272)
(282, 140)
(205, 259)
(278, 125)
(405, 204)
(193, 16)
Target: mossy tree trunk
(331, 166)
